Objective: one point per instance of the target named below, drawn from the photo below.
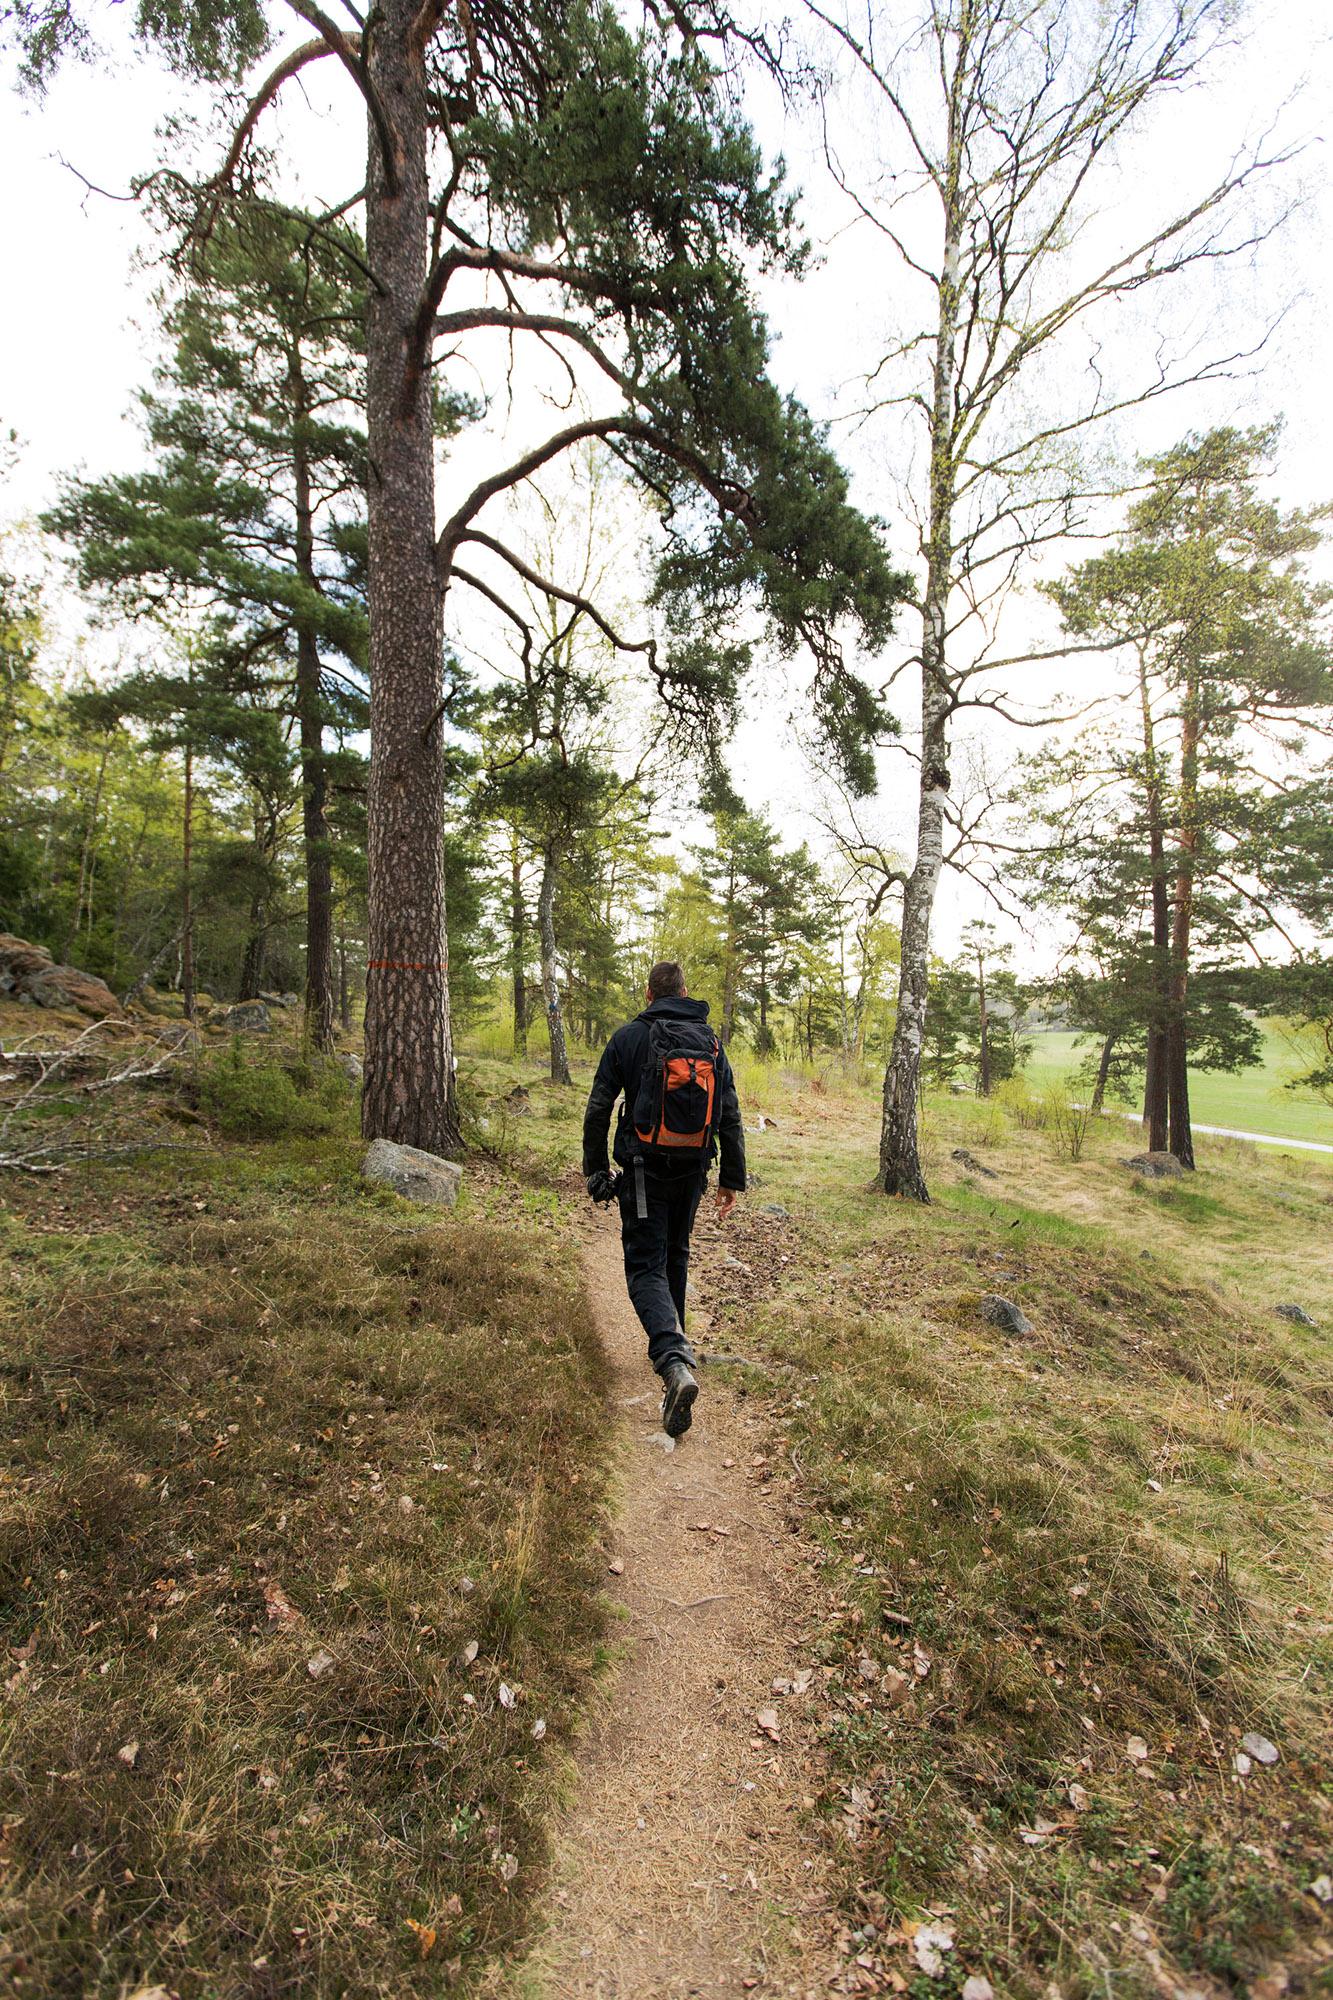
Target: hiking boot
(678, 1401)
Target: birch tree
(992, 206)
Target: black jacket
(618, 1074)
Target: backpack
(676, 1105)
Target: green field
(1254, 1101)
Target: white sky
(76, 339)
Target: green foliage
(272, 1100)
(974, 1016)
(1187, 796)
(199, 38)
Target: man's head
(666, 981)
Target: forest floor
(363, 1640)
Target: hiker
(679, 1104)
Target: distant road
(1257, 1138)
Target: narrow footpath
(682, 1867)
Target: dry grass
(1117, 1526)
(254, 1416)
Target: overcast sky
(76, 339)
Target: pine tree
(600, 174)
(1208, 592)
(254, 507)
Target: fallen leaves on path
(929, 1943)
(282, 1612)
(426, 1935)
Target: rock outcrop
(415, 1175)
(247, 1017)
(1155, 1166)
(29, 972)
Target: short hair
(666, 981)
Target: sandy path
(681, 1868)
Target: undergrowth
(297, 1579)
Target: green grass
(224, 1371)
(1253, 1101)
(257, 1416)
(1115, 1526)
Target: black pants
(657, 1259)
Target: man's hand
(726, 1201)
(602, 1185)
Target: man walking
(679, 1106)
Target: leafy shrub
(1030, 1113)
(1068, 1121)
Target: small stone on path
(1004, 1313)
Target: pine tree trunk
(314, 770)
(409, 1091)
(187, 891)
(318, 860)
(1103, 1074)
(86, 855)
(763, 1041)
(984, 1070)
(518, 952)
(550, 980)
(1155, 1080)
(1177, 1046)
(729, 979)
(252, 959)
(899, 1153)
(344, 987)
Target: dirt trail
(681, 1868)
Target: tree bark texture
(344, 985)
(409, 1094)
(256, 943)
(86, 855)
(900, 1170)
(729, 969)
(1155, 1080)
(1177, 1047)
(1103, 1074)
(550, 978)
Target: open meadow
(1249, 1100)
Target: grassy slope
(255, 1414)
(1117, 1526)
(1253, 1101)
